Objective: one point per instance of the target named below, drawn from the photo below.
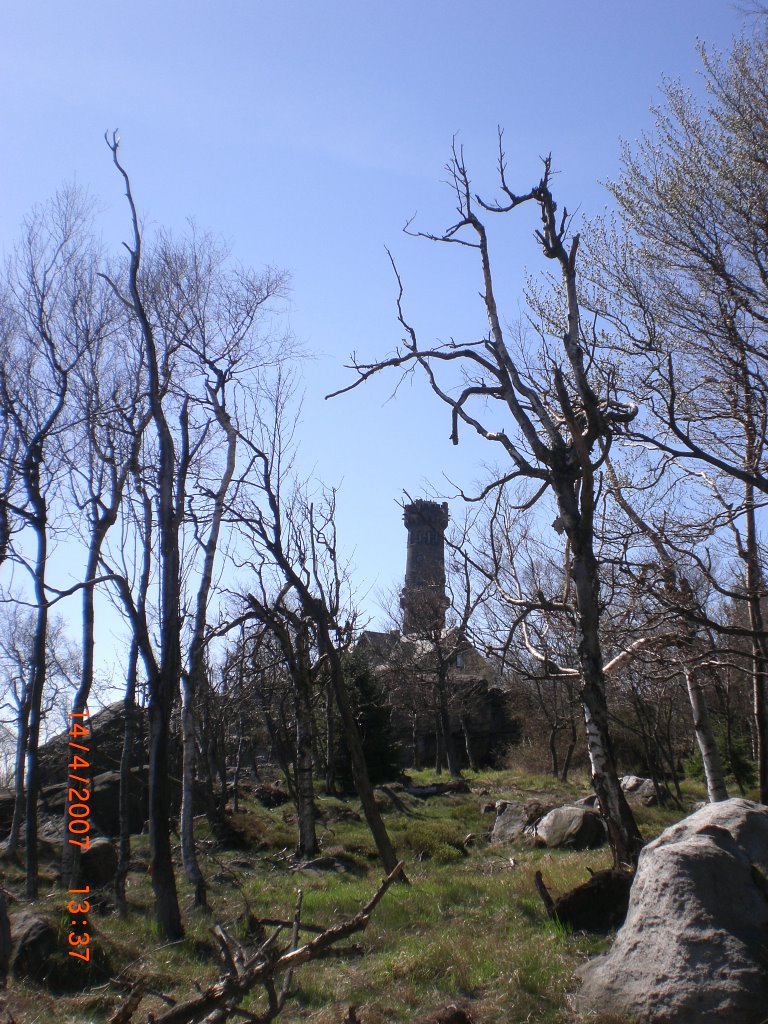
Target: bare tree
(680, 277)
(224, 315)
(159, 342)
(48, 293)
(295, 555)
(562, 425)
(17, 642)
(196, 324)
(678, 595)
(294, 635)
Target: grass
(469, 929)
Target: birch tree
(680, 278)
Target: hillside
(469, 931)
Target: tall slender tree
(48, 303)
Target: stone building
(427, 663)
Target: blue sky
(305, 134)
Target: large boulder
(692, 949)
(644, 790)
(578, 828)
(650, 795)
(33, 941)
(510, 822)
(105, 746)
(105, 801)
(515, 819)
(98, 864)
(631, 783)
(7, 801)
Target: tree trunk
(70, 855)
(238, 766)
(161, 859)
(357, 759)
(278, 749)
(37, 686)
(623, 834)
(14, 836)
(126, 759)
(186, 829)
(710, 757)
(554, 765)
(569, 752)
(755, 586)
(305, 788)
(330, 743)
(468, 743)
(451, 758)
(194, 678)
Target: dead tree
(562, 425)
(295, 552)
(294, 636)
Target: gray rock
(578, 828)
(510, 821)
(629, 783)
(105, 746)
(339, 864)
(7, 801)
(693, 945)
(105, 801)
(98, 864)
(587, 801)
(33, 940)
(647, 793)
(515, 819)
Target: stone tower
(423, 597)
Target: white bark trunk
(710, 756)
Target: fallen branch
(220, 1001)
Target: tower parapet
(423, 597)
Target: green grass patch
(470, 928)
